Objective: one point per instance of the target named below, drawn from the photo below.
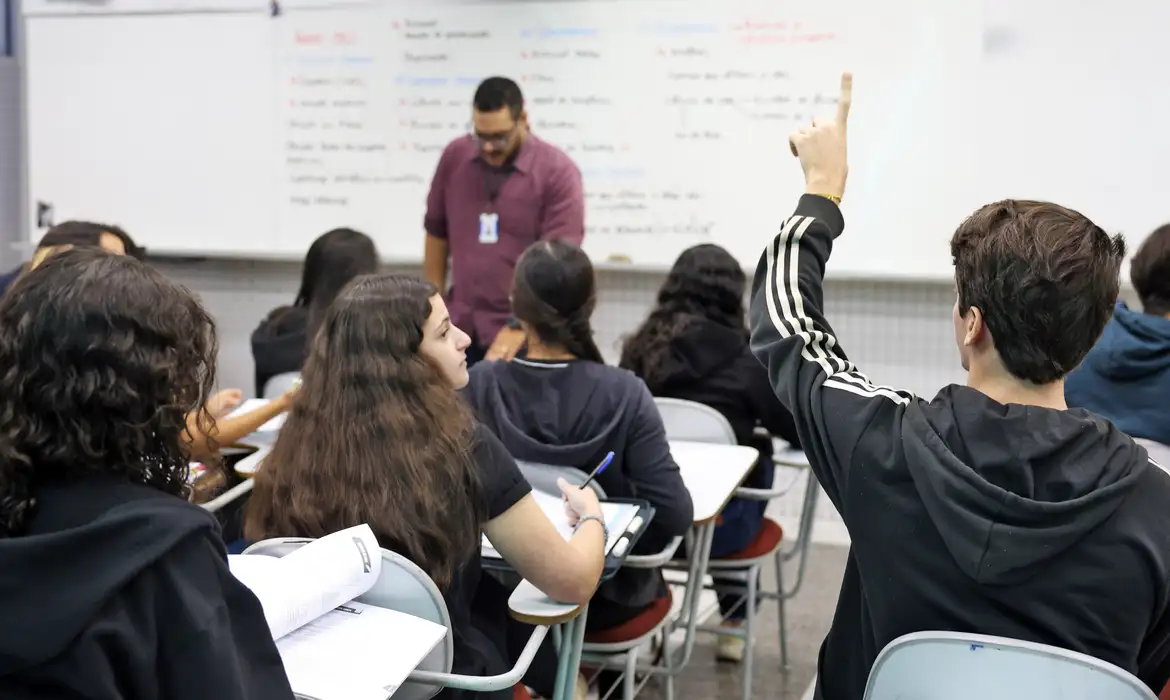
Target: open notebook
(333, 647)
(618, 517)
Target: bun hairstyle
(554, 291)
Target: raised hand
(821, 147)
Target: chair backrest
(280, 384)
(404, 587)
(543, 477)
(955, 666)
(694, 422)
(1158, 452)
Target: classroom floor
(809, 615)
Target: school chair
(404, 587)
(959, 666)
(280, 384)
(238, 491)
(1157, 451)
(696, 422)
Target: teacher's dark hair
(554, 291)
(496, 93)
(333, 261)
(375, 435)
(102, 360)
(705, 282)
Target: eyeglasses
(496, 141)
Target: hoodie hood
(1036, 482)
(280, 343)
(53, 585)
(560, 413)
(702, 349)
(1135, 346)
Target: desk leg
(569, 656)
(695, 573)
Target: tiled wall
(899, 334)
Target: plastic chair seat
(635, 628)
(764, 544)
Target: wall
(10, 159)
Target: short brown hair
(1150, 272)
(1044, 277)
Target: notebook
(618, 517)
(333, 647)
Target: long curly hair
(101, 361)
(706, 282)
(375, 435)
(554, 291)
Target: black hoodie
(570, 414)
(121, 592)
(280, 344)
(712, 364)
(965, 514)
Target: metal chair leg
(630, 678)
(780, 601)
(749, 629)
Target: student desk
(528, 604)
(711, 472)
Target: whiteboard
(334, 114)
(676, 113)
(159, 124)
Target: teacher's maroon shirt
(541, 199)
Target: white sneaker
(730, 648)
(581, 692)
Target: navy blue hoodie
(1126, 376)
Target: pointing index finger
(846, 98)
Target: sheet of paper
(304, 585)
(617, 518)
(272, 426)
(356, 652)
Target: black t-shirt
(479, 624)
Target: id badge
(489, 228)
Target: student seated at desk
(561, 405)
(1126, 376)
(379, 435)
(993, 508)
(281, 342)
(112, 585)
(75, 234)
(694, 346)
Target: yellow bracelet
(831, 197)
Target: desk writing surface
(712, 472)
(529, 604)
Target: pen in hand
(600, 468)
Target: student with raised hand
(112, 585)
(694, 346)
(561, 405)
(993, 508)
(379, 435)
(1126, 376)
(281, 342)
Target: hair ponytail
(554, 292)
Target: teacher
(495, 192)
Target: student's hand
(284, 401)
(821, 147)
(507, 343)
(578, 501)
(221, 404)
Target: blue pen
(600, 468)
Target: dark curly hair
(102, 359)
(706, 282)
